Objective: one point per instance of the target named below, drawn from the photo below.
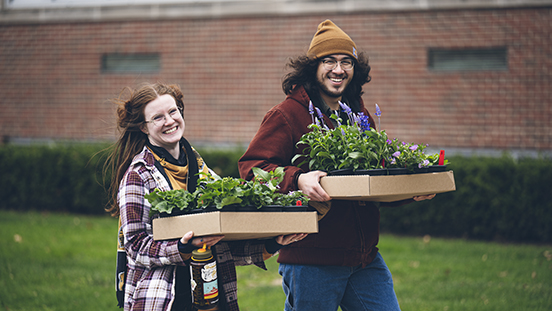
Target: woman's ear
(144, 128)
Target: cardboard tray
(236, 225)
(387, 188)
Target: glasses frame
(164, 116)
(340, 62)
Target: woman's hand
(309, 184)
(288, 239)
(207, 240)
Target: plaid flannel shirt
(151, 265)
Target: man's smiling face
(333, 82)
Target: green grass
(66, 262)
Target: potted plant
(226, 194)
(353, 146)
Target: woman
(152, 153)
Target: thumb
(187, 237)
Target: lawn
(66, 262)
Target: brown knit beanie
(330, 39)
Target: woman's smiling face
(164, 123)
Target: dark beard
(326, 91)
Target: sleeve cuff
(187, 248)
(272, 246)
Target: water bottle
(204, 284)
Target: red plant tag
(442, 157)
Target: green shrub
(60, 178)
(223, 161)
(495, 199)
(69, 178)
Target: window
(131, 63)
(473, 59)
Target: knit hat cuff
(333, 46)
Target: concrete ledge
(11, 14)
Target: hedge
(496, 198)
(59, 178)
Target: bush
(69, 178)
(495, 199)
(60, 178)
(223, 161)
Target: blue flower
(364, 122)
(311, 111)
(346, 108)
(378, 111)
(319, 113)
(348, 111)
(337, 119)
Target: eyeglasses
(331, 64)
(161, 119)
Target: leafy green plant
(355, 145)
(219, 192)
(166, 201)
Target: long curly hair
(130, 121)
(304, 73)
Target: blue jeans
(324, 288)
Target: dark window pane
(468, 59)
(131, 63)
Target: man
(340, 265)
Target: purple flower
(311, 111)
(319, 113)
(378, 111)
(396, 154)
(389, 141)
(378, 114)
(345, 108)
(348, 111)
(413, 148)
(424, 163)
(364, 122)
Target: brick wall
(230, 70)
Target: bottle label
(209, 276)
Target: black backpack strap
(120, 276)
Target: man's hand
(309, 184)
(290, 238)
(424, 197)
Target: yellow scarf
(177, 174)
